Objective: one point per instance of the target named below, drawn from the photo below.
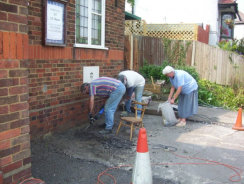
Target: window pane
(89, 22)
(96, 29)
(96, 6)
(82, 22)
(227, 25)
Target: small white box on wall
(90, 73)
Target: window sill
(90, 46)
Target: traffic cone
(142, 173)
(238, 125)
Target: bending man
(134, 82)
(107, 87)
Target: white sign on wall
(55, 22)
(90, 73)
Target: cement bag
(168, 114)
(146, 99)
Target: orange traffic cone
(238, 125)
(142, 173)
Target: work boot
(105, 131)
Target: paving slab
(205, 114)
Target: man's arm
(129, 92)
(91, 105)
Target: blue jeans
(138, 94)
(111, 105)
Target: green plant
(240, 47)
(156, 71)
(132, 2)
(235, 46)
(225, 45)
(220, 96)
(175, 51)
(152, 70)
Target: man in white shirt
(134, 82)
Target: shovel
(96, 117)
(92, 120)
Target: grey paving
(206, 151)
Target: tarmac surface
(206, 151)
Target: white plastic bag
(146, 99)
(168, 114)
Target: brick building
(39, 83)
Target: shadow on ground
(80, 156)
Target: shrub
(220, 96)
(155, 71)
(235, 46)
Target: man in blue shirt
(186, 89)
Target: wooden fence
(213, 64)
(217, 65)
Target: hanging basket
(229, 22)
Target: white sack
(168, 114)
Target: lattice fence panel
(170, 31)
(135, 27)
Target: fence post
(193, 53)
(131, 51)
(196, 32)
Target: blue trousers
(111, 105)
(138, 95)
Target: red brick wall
(1, 177)
(13, 15)
(15, 163)
(39, 85)
(57, 73)
(203, 35)
(114, 23)
(54, 97)
(115, 18)
(14, 115)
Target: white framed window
(90, 24)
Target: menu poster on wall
(55, 23)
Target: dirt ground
(206, 151)
(80, 156)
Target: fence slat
(213, 64)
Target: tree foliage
(132, 2)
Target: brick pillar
(15, 162)
(14, 108)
